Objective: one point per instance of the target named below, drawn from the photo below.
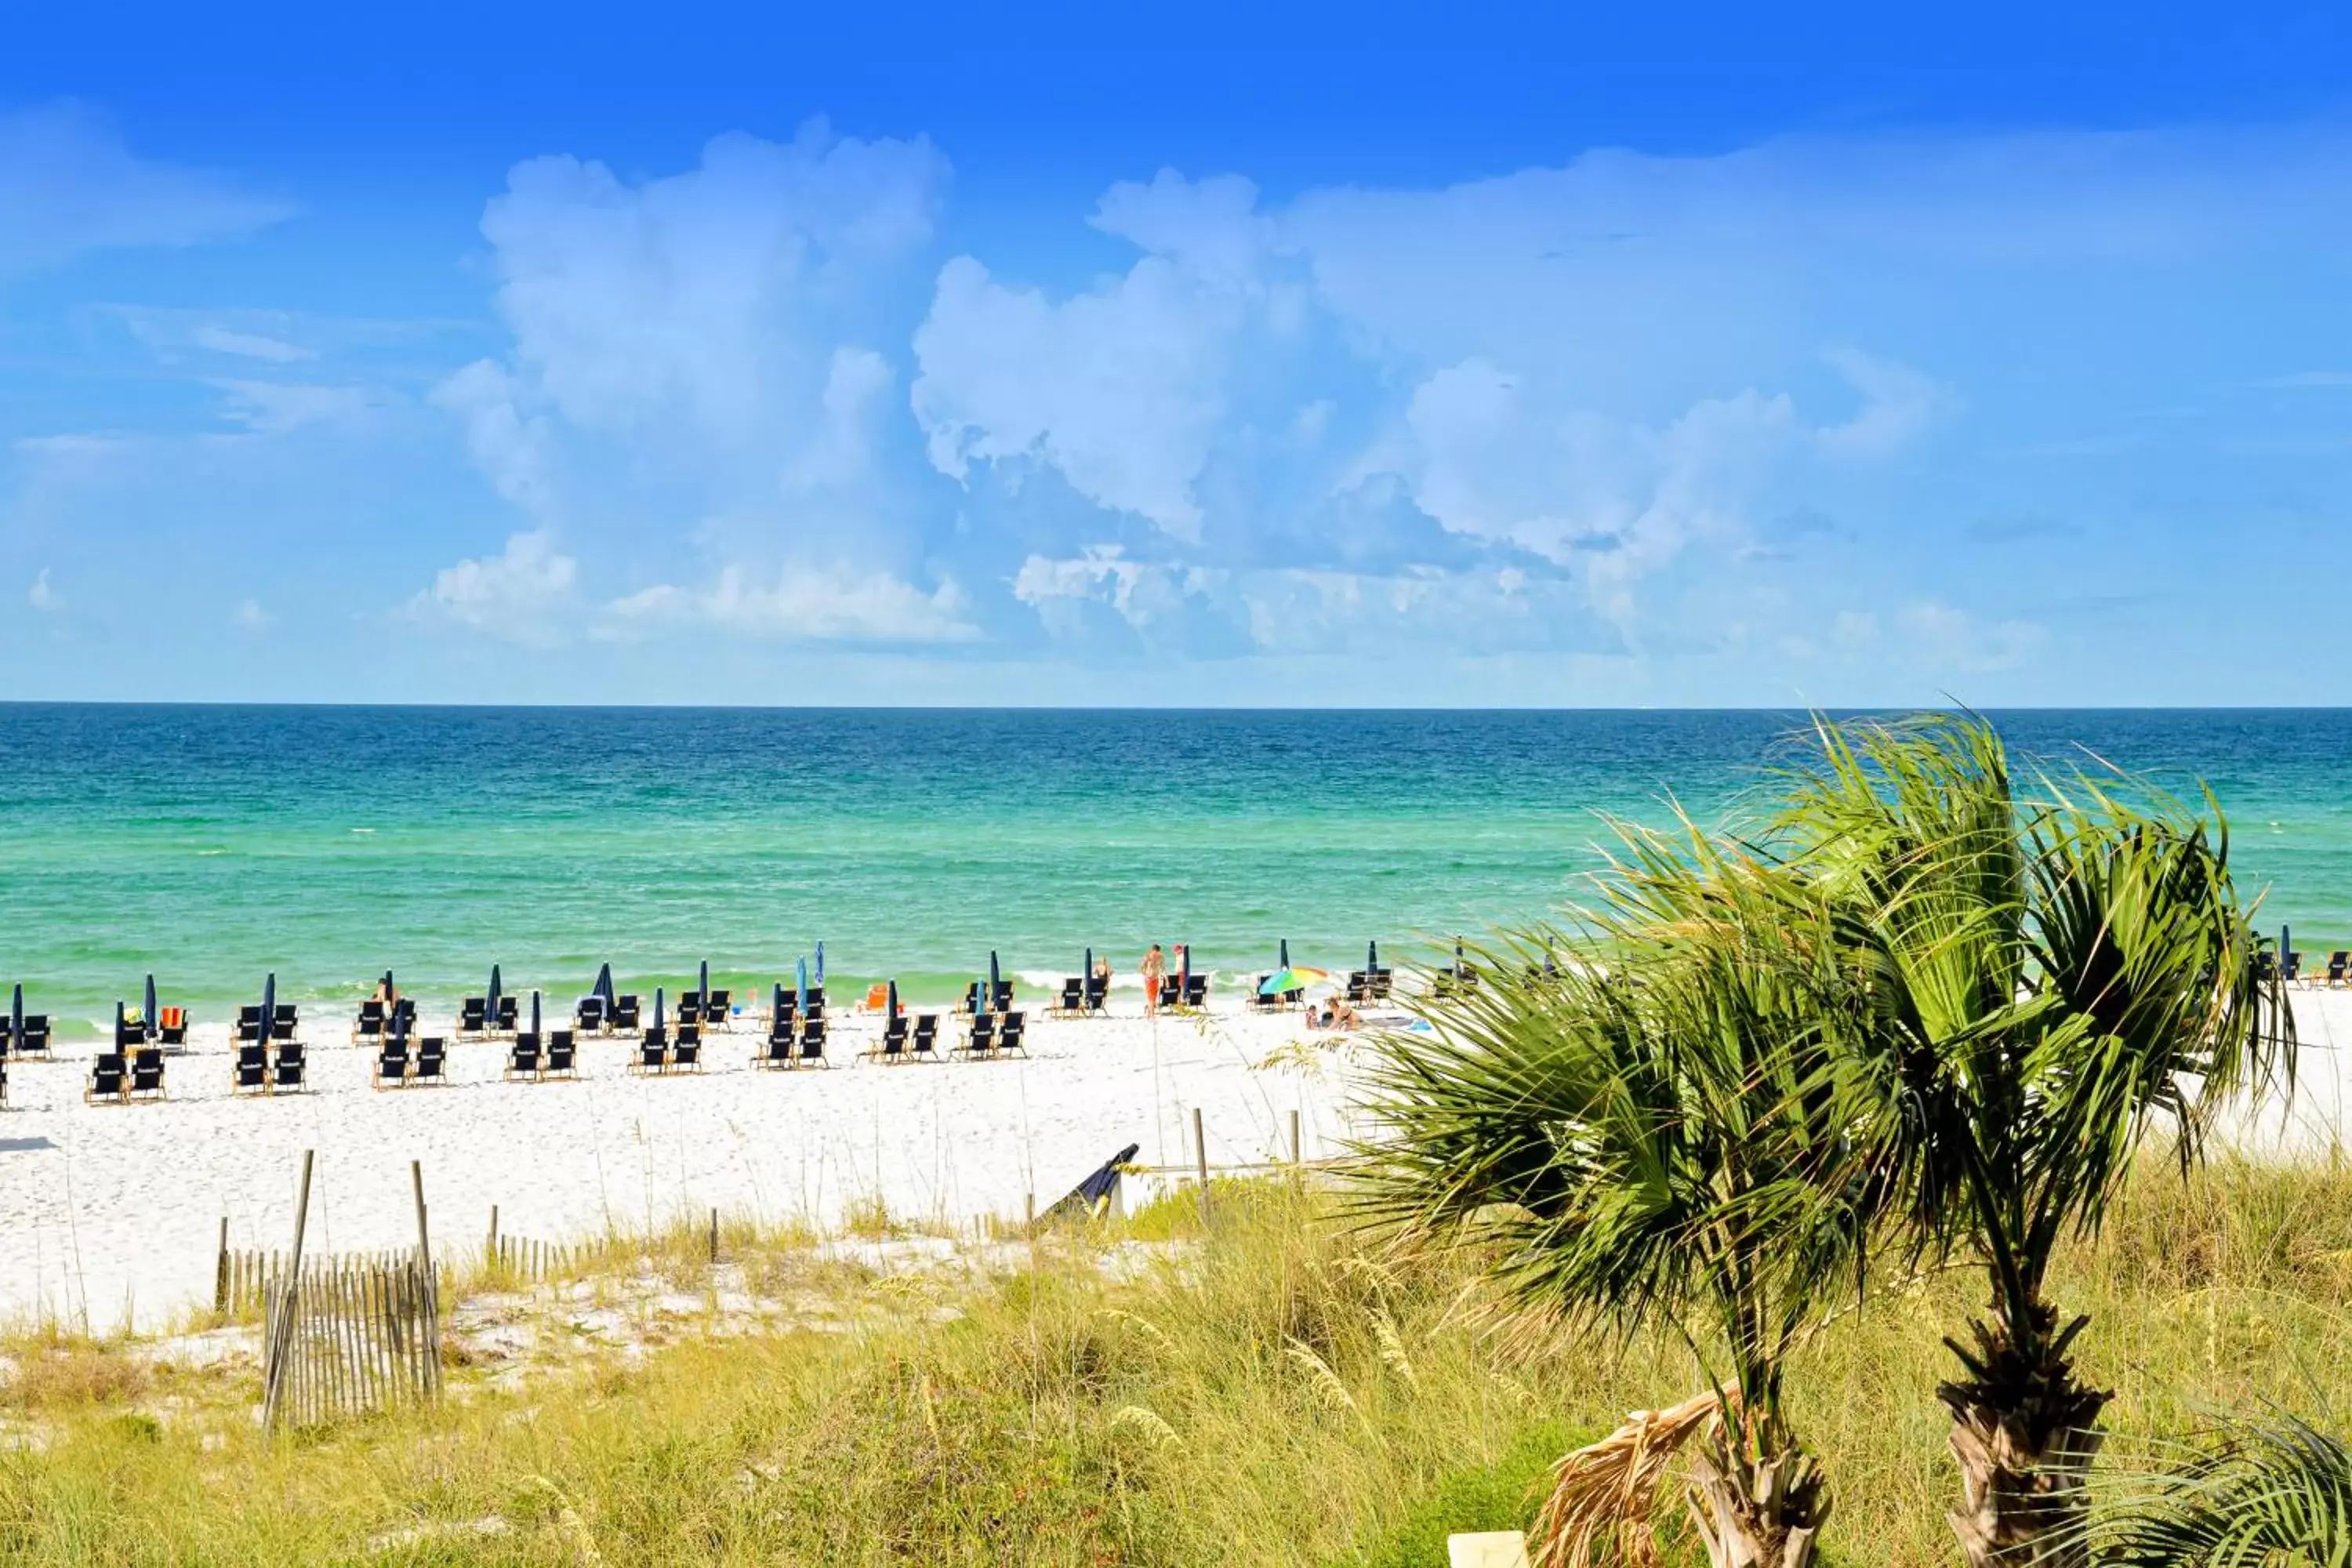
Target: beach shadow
(24, 1145)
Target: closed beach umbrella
(148, 1017)
(534, 1014)
(1372, 957)
(1184, 967)
(893, 1010)
(704, 991)
(117, 1025)
(1088, 974)
(776, 1006)
(820, 963)
(16, 1019)
(494, 992)
(800, 986)
(269, 1007)
(604, 987)
(387, 983)
(657, 1007)
(995, 978)
(1286, 953)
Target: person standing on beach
(1155, 964)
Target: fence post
(282, 1330)
(714, 1236)
(494, 1233)
(423, 1241)
(220, 1271)
(1200, 1148)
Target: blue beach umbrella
(16, 1019)
(117, 1025)
(493, 994)
(995, 978)
(800, 986)
(1088, 974)
(1183, 967)
(1286, 953)
(893, 1011)
(776, 1005)
(534, 1014)
(704, 991)
(147, 1020)
(820, 963)
(1372, 957)
(269, 1007)
(657, 1007)
(604, 987)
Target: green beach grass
(1279, 1391)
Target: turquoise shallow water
(210, 845)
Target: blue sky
(1241, 354)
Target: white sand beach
(110, 1213)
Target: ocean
(212, 844)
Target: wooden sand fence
(345, 1335)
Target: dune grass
(1279, 1392)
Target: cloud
(277, 408)
(69, 184)
(41, 596)
(249, 615)
(1898, 403)
(514, 448)
(250, 345)
(520, 596)
(1948, 640)
(1119, 388)
(801, 605)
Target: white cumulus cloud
(521, 594)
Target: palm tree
(2051, 979)
(1652, 1131)
(2271, 1491)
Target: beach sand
(110, 1214)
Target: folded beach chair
(110, 1078)
(391, 1064)
(653, 1051)
(892, 1044)
(981, 1038)
(1098, 994)
(522, 1056)
(282, 1027)
(249, 1018)
(1196, 990)
(690, 1006)
(686, 1054)
(776, 1051)
(509, 1015)
(785, 1010)
(369, 1024)
(718, 1009)
(588, 1017)
(1073, 1002)
(252, 1069)
(36, 1039)
(291, 1068)
(812, 1042)
(147, 1072)
(561, 1059)
(473, 1017)
(1009, 1033)
(623, 1013)
(432, 1059)
(926, 1039)
(172, 1028)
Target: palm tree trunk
(1761, 1513)
(2024, 1433)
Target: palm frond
(2275, 1490)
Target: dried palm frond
(1605, 1494)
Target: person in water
(1155, 965)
